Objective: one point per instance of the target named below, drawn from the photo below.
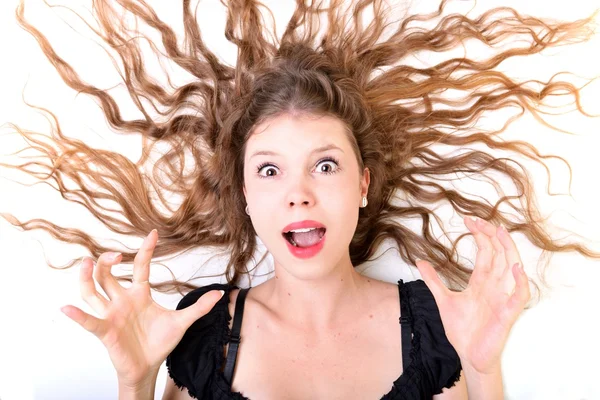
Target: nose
(300, 193)
(305, 203)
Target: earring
(364, 202)
(247, 211)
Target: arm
(138, 333)
(144, 391)
(477, 320)
(484, 386)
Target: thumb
(432, 279)
(203, 305)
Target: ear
(365, 181)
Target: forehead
(295, 134)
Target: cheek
(341, 205)
(345, 191)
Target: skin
(299, 189)
(315, 309)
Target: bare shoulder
(381, 285)
(382, 291)
(382, 299)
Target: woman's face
(311, 173)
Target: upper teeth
(302, 230)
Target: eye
(264, 165)
(333, 162)
(272, 167)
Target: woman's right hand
(138, 333)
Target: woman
(297, 103)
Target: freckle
(289, 294)
(368, 280)
(370, 315)
(342, 279)
(257, 326)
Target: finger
(104, 275)
(486, 227)
(485, 251)
(432, 280)
(491, 231)
(499, 258)
(518, 300)
(499, 264)
(87, 288)
(86, 321)
(203, 305)
(510, 248)
(141, 262)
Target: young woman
(303, 146)
(306, 330)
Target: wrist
(143, 390)
(491, 371)
(484, 385)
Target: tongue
(306, 239)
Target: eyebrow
(317, 150)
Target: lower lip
(306, 252)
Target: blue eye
(324, 160)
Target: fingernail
(474, 219)
(114, 256)
(222, 292)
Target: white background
(552, 352)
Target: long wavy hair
(394, 113)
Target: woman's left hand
(477, 321)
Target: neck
(318, 303)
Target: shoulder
(196, 359)
(383, 294)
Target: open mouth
(289, 236)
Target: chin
(318, 268)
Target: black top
(430, 362)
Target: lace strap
(406, 322)
(235, 339)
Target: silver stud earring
(247, 211)
(364, 202)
